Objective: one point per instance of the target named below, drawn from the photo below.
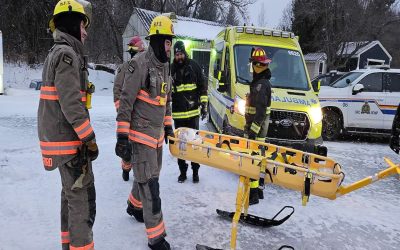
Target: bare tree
(262, 17)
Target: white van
(361, 101)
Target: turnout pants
(261, 137)
(145, 194)
(192, 122)
(78, 206)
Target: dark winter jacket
(395, 138)
(63, 120)
(189, 89)
(258, 101)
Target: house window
(321, 68)
(202, 57)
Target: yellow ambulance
(296, 117)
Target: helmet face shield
(87, 8)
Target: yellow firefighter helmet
(78, 6)
(161, 25)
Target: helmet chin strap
(259, 69)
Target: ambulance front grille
(288, 125)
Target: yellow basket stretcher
(269, 163)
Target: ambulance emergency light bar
(265, 32)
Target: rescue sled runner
(271, 164)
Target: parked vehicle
(328, 78)
(361, 101)
(296, 117)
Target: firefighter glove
(92, 150)
(168, 132)
(203, 110)
(123, 148)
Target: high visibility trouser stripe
(203, 98)
(123, 127)
(84, 129)
(126, 165)
(255, 128)
(250, 110)
(65, 237)
(86, 247)
(187, 114)
(134, 202)
(144, 96)
(145, 139)
(168, 120)
(260, 139)
(60, 148)
(50, 93)
(186, 87)
(155, 231)
(116, 103)
(254, 184)
(268, 110)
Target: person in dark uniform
(189, 99)
(394, 139)
(257, 110)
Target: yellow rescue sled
(282, 166)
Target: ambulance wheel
(331, 125)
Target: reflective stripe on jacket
(63, 120)
(189, 89)
(145, 103)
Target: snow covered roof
(357, 48)
(313, 57)
(184, 27)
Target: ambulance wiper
(243, 79)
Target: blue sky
(273, 9)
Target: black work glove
(203, 110)
(394, 144)
(168, 132)
(123, 148)
(92, 150)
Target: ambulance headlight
(240, 105)
(316, 114)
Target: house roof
(313, 57)
(184, 27)
(357, 48)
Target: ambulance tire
(331, 125)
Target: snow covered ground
(30, 196)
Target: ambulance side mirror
(316, 85)
(222, 85)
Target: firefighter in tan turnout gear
(143, 121)
(67, 140)
(134, 46)
(258, 109)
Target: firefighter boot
(195, 168)
(137, 213)
(125, 175)
(253, 199)
(161, 245)
(183, 169)
(260, 193)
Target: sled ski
(256, 220)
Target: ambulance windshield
(287, 67)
